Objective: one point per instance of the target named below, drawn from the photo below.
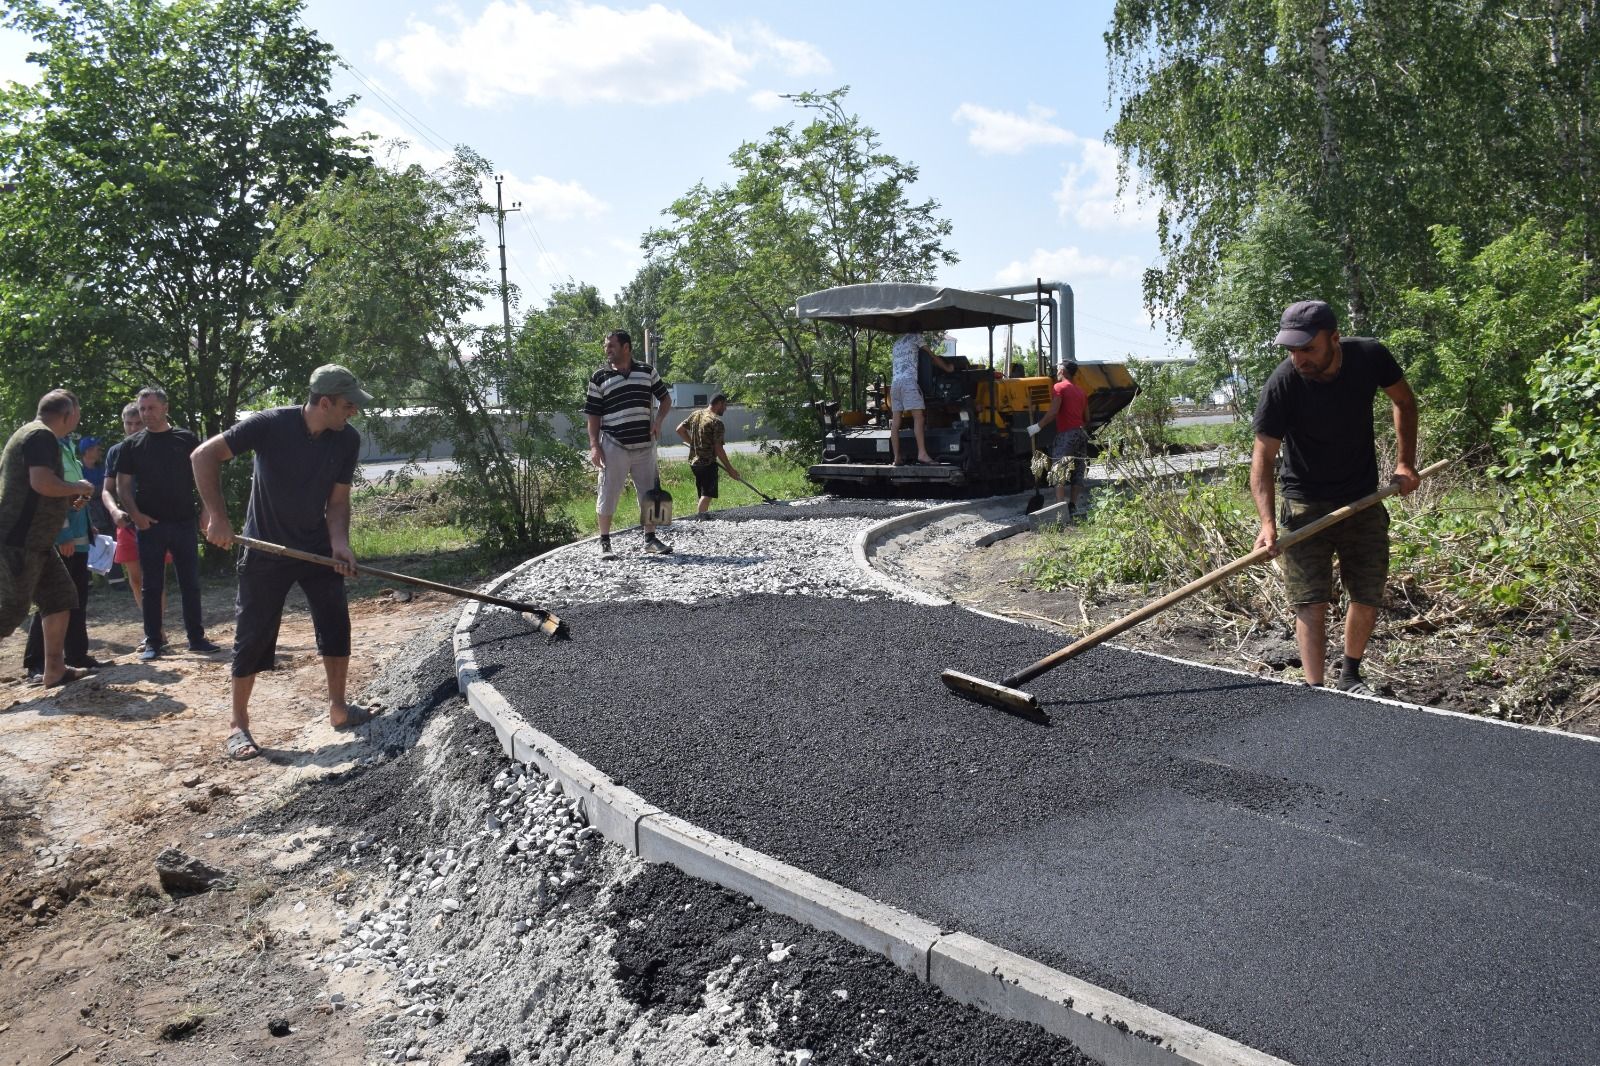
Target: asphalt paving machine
(977, 414)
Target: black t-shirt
(295, 473)
(1329, 453)
(163, 479)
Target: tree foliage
(1381, 119)
(394, 273)
(1470, 343)
(142, 169)
(811, 207)
(1557, 433)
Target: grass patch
(1491, 583)
(772, 474)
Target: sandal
(359, 716)
(241, 745)
(68, 676)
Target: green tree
(1382, 119)
(1469, 344)
(811, 207)
(1281, 256)
(142, 169)
(395, 275)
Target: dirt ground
(96, 779)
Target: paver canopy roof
(895, 307)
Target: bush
(1556, 434)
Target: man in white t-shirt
(905, 395)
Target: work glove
(1033, 430)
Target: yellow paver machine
(977, 414)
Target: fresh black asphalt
(1327, 879)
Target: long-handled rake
(1007, 696)
(545, 621)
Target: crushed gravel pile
(753, 549)
(481, 921)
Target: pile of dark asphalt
(667, 934)
(1327, 879)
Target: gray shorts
(638, 462)
(906, 396)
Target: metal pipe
(1063, 328)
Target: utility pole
(500, 213)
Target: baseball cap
(1301, 322)
(85, 443)
(335, 380)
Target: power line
(420, 128)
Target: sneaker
(606, 551)
(653, 545)
(1353, 685)
(149, 652)
(204, 645)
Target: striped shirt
(623, 401)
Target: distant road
(435, 467)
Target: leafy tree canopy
(811, 207)
(141, 170)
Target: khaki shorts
(1361, 542)
(621, 462)
(28, 578)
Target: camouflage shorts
(1361, 542)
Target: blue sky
(600, 114)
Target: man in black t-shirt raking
(156, 486)
(305, 459)
(1317, 407)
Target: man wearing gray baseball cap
(305, 459)
(1316, 409)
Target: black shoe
(88, 662)
(149, 652)
(653, 545)
(606, 551)
(204, 645)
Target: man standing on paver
(1069, 406)
(705, 434)
(1317, 406)
(305, 459)
(905, 391)
(156, 486)
(34, 501)
(623, 433)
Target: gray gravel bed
(752, 549)
(1328, 879)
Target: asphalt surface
(1327, 879)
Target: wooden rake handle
(1149, 610)
(550, 622)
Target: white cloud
(585, 53)
(1089, 195)
(1007, 133)
(767, 100)
(542, 197)
(798, 58)
(546, 198)
(1065, 264)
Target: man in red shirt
(1069, 406)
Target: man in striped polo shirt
(623, 432)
